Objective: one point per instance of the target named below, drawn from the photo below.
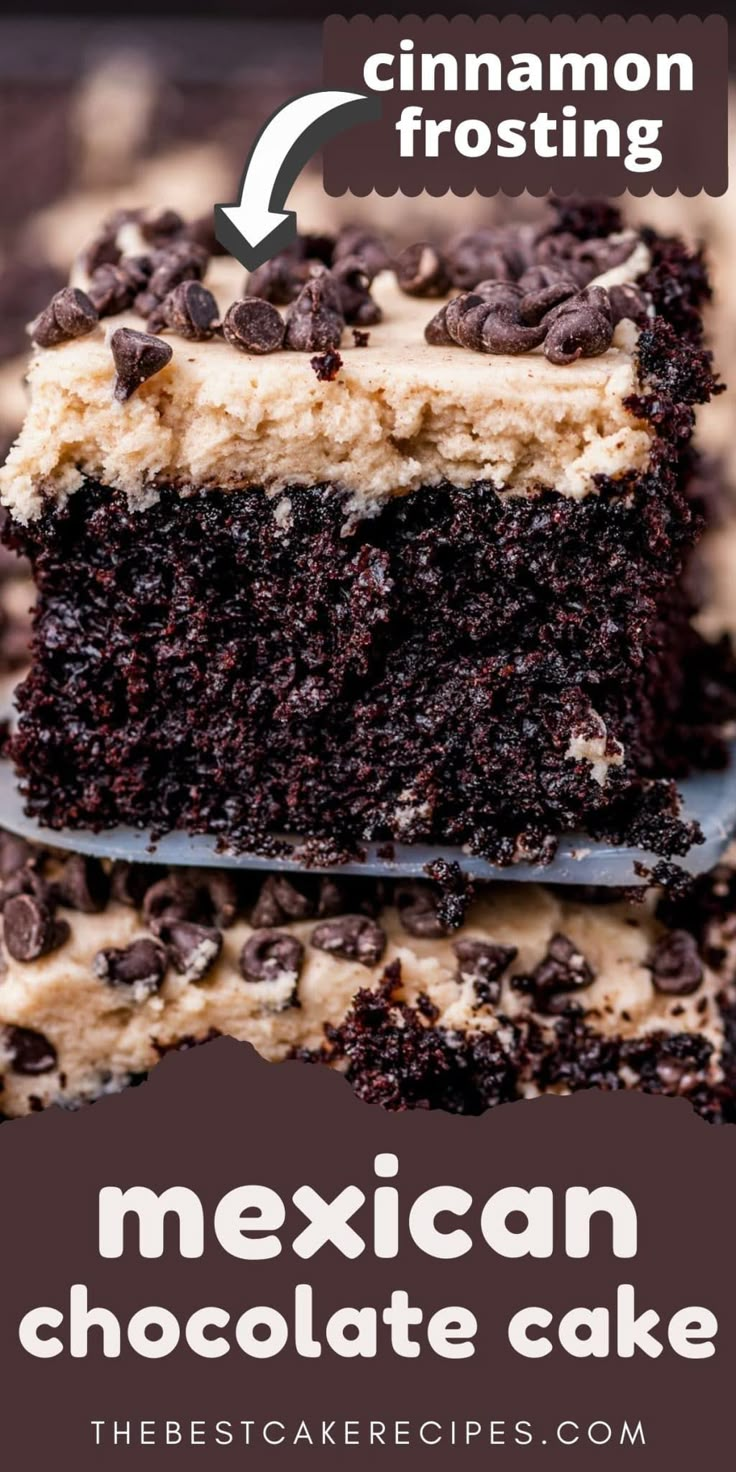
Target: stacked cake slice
(106, 969)
(367, 549)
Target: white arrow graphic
(258, 225)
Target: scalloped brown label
(594, 105)
(241, 1264)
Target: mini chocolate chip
(103, 250)
(483, 963)
(536, 303)
(160, 225)
(182, 260)
(315, 322)
(536, 278)
(192, 948)
(360, 339)
(480, 255)
(30, 1052)
(628, 301)
(84, 885)
(468, 328)
(173, 897)
(580, 327)
(222, 893)
(326, 366)
(114, 289)
(189, 310)
(503, 330)
(15, 853)
(455, 310)
(70, 314)
(27, 880)
(421, 270)
(333, 897)
(352, 937)
(677, 969)
(603, 255)
(141, 965)
(30, 928)
(253, 326)
(137, 357)
(436, 332)
(564, 968)
(280, 901)
(271, 955)
(417, 907)
(370, 249)
(129, 882)
(354, 290)
(202, 232)
(279, 280)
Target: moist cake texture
(533, 990)
(425, 587)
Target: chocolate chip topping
(129, 882)
(370, 249)
(579, 327)
(182, 260)
(141, 966)
(173, 897)
(282, 900)
(114, 289)
(315, 322)
(628, 301)
(15, 853)
(158, 226)
(537, 288)
(193, 949)
(279, 280)
(253, 326)
(354, 290)
(563, 969)
(484, 255)
(421, 270)
(222, 896)
(103, 250)
(352, 938)
(137, 357)
(677, 969)
(30, 1052)
(417, 907)
(271, 955)
(27, 880)
(69, 314)
(482, 963)
(84, 885)
(30, 927)
(190, 310)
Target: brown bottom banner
(241, 1264)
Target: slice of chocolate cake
(358, 553)
(531, 990)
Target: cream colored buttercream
(399, 415)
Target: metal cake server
(710, 798)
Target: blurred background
(160, 109)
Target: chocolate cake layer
(422, 1000)
(456, 669)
